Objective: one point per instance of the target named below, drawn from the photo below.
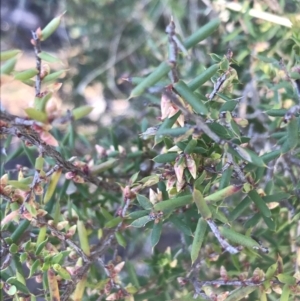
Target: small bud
(38, 190)
(61, 225)
(45, 70)
(78, 179)
(101, 151)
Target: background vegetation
(151, 165)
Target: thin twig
(37, 50)
(29, 135)
(225, 245)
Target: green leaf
(51, 27)
(292, 133)
(202, 33)
(269, 222)
(240, 208)
(276, 112)
(190, 97)
(167, 124)
(113, 222)
(161, 71)
(8, 66)
(144, 202)
(271, 271)
(52, 77)
(36, 115)
(287, 279)
(249, 155)
(6, 55)
(271, 156)
(285, 293)
(156, 233)
(48, 57)
(27, 74)
(174, 131)
(240, 293)
(253, 221)
(203, 209)
(18, 184)
(218, 214)
(35, 266)
(19, 285)
(259, 202)
(137, 214)
(223, 193)
(121, 239)
(198, 238)
(203, 77)
(277, 197)
(81, 112)
(141, 222)
(173, 203)
(165, 158)
(83, 237)
(180, 225)
(190, 146)
(132, 274)
(225, 179)
(238, 238)
(228, 106)
(40, 247)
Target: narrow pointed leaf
(198, 238)
(203, 209)
(81, 112)
(180, 225)
(292, 133)
(240, 208)
(287, 279)
(19, 285)
(188, 95)
(52, 77)
(259, 202)
(201, 34)
(48, 57)
(223, 193)
(141, 222)
(285, 293)
(27, 74)
(36, 115)
(144, 202)
(173, 203)
(238, 238)
(165, 158)
(240, 293)
(51, 27)
(203, 77)
(249, 156)
(53, 285)
(52, 185)
(8, 66)
(83, 237)
(156, 233)
(161, 71)
(6, 55)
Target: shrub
(218, 171)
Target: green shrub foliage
(200, 202)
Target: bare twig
(173, 50)
(225, 245)
(27, 134)
(37, 50)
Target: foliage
(202, 203)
